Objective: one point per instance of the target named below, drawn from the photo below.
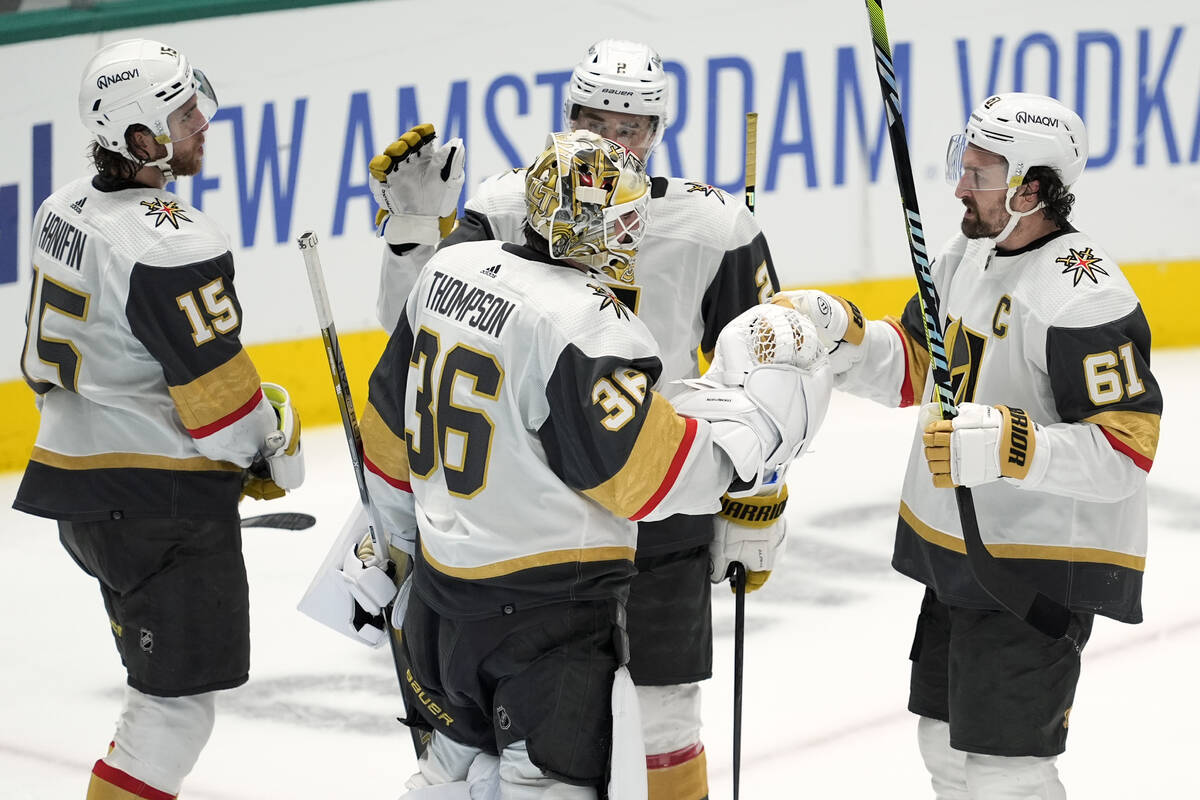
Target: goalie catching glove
(417, 186)
(750, 531)
(980, 445)
(840, 326)
(280, 464)
(765, 394)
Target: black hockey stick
(284, 520)
(1006, 588)
(737, 570)
(737, 577)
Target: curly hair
(1052, 192)
(110, 164)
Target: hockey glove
(840, 325)
(417, 186)
(280, 464)
(982, 444)
(749, 530)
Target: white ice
(826, 648)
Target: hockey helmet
(140, 81)
(621, 76)
(1028, 130)
(587, 197)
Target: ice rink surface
(826, 648)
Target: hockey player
(512, 421)
(153, 419)
(1057, 428)
(702, 262)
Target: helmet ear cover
(587, 197)
(1027, 130)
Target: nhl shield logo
(502, 718)
(146, 639)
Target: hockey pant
(157, 742)
(675, 762)
(973, 776)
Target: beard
(187, 163)
(976, 227)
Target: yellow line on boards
(1166, 290)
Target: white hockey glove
(840, 325)
(280, 467)
(982, 444)
(417, 186)
(372, 587)
(765, 395)
(750, 531)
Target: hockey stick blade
(1004, 586)
(284, 520)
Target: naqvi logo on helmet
(104, 81)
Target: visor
(981, 178)
(191, 118)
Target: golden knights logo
(166, 211)
(609, 300)
(1082, 262)
(964, 347)
(708, 189)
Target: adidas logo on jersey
(491, 272)
(77, 206)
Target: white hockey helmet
(140, 81)
(1028, 130)
(622, 76)
(587, 197)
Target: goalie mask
(587, 197)
(143, 82)
(626, 78)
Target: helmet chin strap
(164, 164)
(1014, 216)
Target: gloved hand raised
(417, 185)
(750, 531)
(841, 327)
(280, 465)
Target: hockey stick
(341, 387)
(737, 570)
(285, 520)
(737, 577)
(1010, 591)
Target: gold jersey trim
(1042, 552)
(382, 447)
(217, 393)
(511, 565)
(649, 462)
(1137, 430)
(130, 460)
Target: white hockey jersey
(512, 416)
(1054, 329)
(703, 261)
(149, 405)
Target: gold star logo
(1082, 262)
(166, 211)
(609, 300)
(708, 189)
